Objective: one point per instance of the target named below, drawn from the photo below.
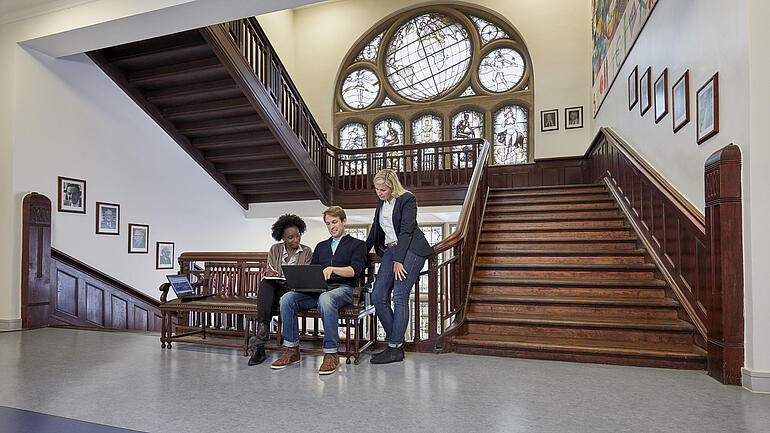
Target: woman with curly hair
(288, 229)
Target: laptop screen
(180, 284)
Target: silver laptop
(183, 289)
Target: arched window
(468, 67)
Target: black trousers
(270, 291)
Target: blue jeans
(328, 305)
(394, 320)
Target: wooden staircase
(560, 275)
(191, 93)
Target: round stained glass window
(360, 88)
(427, 56)
(501, 69)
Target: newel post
(724, 270)
(35, 261)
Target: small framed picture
(707, 109)
(633, 91)
(661, 96)
(549, 120)
(72, 195)
(138, 238)
(680, 101)
(645, 84)
(107, 218)
(573, 117)
(164, 255)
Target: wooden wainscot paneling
(670, 227)
(35, 261)
(724, 256)
(542, 172)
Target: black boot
(391, 354)
(259, 356)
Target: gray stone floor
(126, 380)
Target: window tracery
(468, 67)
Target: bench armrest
(164, 288)
(361, 293)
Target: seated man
(342, 257)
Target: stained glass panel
(468, 92)
(358, 232)
(427, 56)
(387, 101)
(488, 31)
(465, 125)
(369, 52)
(426, 129)
(510, 135)
(360, 88)
(501, 69)
(352, 136)
(388, 132)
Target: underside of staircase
(561, 275)
(181, 83)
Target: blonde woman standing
(403, 248)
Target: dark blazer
(350, 252)
(410, 237)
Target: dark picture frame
(633, 87)
(164, 255)
(72, 195)
(107, 218)
(138, 238)
(680, 101)
(573, 117)
(707, 109)
(645, 92)
(549, 120)
(660, 96)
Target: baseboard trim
(756, 381)
(10, 324)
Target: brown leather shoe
(330, 364)
(291, 356)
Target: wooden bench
(231, 313)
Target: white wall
(681, 35)
(557, 34)
(708, 36)
(756, 178)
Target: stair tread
(556, 229)
(560, 252)
(551, 187)
(555, 202)
(584, 345)
(497, 193)
(542, 218)
(631, 237)
(583, 321)
(577, 300)
(576, 265)
(625, 282)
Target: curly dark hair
(287, 220)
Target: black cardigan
(410, 237)
(350, 252)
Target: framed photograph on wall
(661, 96)
(707, 109)
(72, 195)
(164, 255)
(680, 101)
(633, 90)
(549, 120)
(645, 95)
(107, 218)
(138, 238)
(573, 117)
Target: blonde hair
(389, 177)
(335, 212)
